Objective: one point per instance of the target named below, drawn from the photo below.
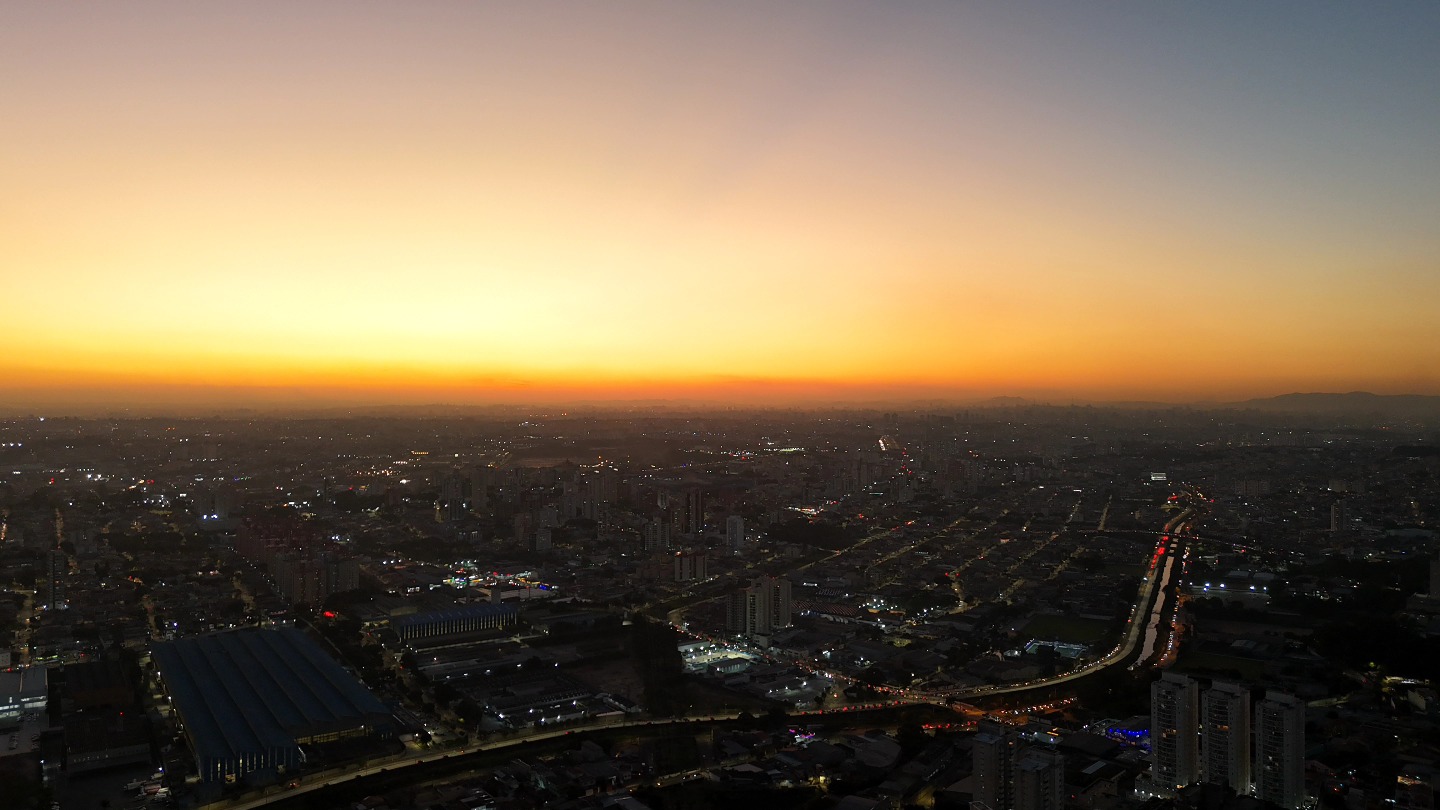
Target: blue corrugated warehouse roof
(246, 695)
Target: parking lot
(87, 791)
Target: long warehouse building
(463, 619)
(248, 699)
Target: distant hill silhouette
(1389, 406)
(1003, 402)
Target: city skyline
(380, 204)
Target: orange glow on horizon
(470, 204)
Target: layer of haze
(475, 202)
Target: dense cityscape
(1014, 606)
(644, 405)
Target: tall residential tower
(1225, 736)
(1174, 732)
(1280, 750)
(993, 761)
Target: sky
(475, 202)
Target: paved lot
(86, 791)
(31, 726)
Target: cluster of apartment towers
(1006, 776)
(1213, 735)
(1195, 736)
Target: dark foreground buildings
(257, 701)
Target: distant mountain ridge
(1395, 406)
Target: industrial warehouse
(250, 699)
(464, 619)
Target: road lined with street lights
(1144, 632)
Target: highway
(1144, 633)
(1149, 610)
(322, 780)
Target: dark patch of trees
(655, 649)
(1416, 451)
(801, 531)
(1364, 643)
(164, 543)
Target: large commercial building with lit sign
(22, 691)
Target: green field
(1201, 663)
(1070, 629)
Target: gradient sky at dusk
(475, 202)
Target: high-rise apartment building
(1040, 780)
(453, 503)
(993, 766)
(734, 532)
(1225, 736)
(574, 502)
(694, 520)
(1174, 732)
(690, 565)
(780, 601)
(57, 567)
(760, 609)
(1279, 770)
(481, 477)
(605, 485)
(523, 526)
(746, 613)
(312, 578)
(657, 534)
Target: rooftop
(255, 689)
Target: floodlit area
(712, 656)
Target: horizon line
(132, 408)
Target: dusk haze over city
(230, 203)
(700, 405)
